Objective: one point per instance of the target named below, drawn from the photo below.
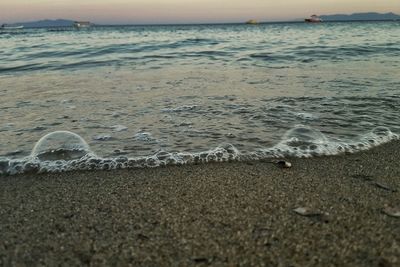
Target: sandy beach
(227, 214)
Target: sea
(111, 97)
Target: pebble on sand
(303, 211)
(308, 212)
(284, 164)
(392, 212)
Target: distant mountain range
(46, 23)
(337, 17)
(361, 17)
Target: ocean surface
(136, 96)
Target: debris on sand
(281, 163)
(392, 212)
(385, 187)
(284, 164)
(308, 212)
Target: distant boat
(313, 19)
(252, 22)
(11, 27)
(82, 24)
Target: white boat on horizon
(313, 19)
(82, 24)
(252, 22)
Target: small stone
(303, 211)
(392, 212)
(201, 260)
(284, 164)
(308, 212)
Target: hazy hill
(361, 16)
(47, 23)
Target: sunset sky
(183, 11)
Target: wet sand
(226, 214)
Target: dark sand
(224, 214)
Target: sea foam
(66, 151)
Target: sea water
(136, 96)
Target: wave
(62, 56)
(131, 54)
(273, 46)
(62, 151)
(333, 54)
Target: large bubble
(304, 136)
(381, 131)
(60, 145)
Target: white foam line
(302, 145)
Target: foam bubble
(381, 131)
(180, 108)
(102, 137)
(144, 137)
(306, 116)
(307, 142)
(119, 128)
(304, 136)
(60, 145)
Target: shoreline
(223, 214)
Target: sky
(183, 11)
